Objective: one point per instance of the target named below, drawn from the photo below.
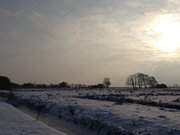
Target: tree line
(137, 80)
(141, 80)
(7, 84)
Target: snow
(15, 122)
(107, 117)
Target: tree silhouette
(63, 85)
(107, 82)
(141, 80)
(131, 81)
(152, 81)
(5, 83)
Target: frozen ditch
(104, 117)
(58, 124)
(15, 122)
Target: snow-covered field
(108, 117)
(14, 122)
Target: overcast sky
(83, 40)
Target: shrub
(5, 83)
(161, 86)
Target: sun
(166, 33)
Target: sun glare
(166, 29)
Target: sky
(83, 41)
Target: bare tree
(131, 81)
(140, 80)
(107, 82)
(152, 81)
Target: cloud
(6, 13)
(61, 39)
(168, 72)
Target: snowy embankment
(150, 101)
(14, 122)
(70, 110)
(104, 117)
(158, 98)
